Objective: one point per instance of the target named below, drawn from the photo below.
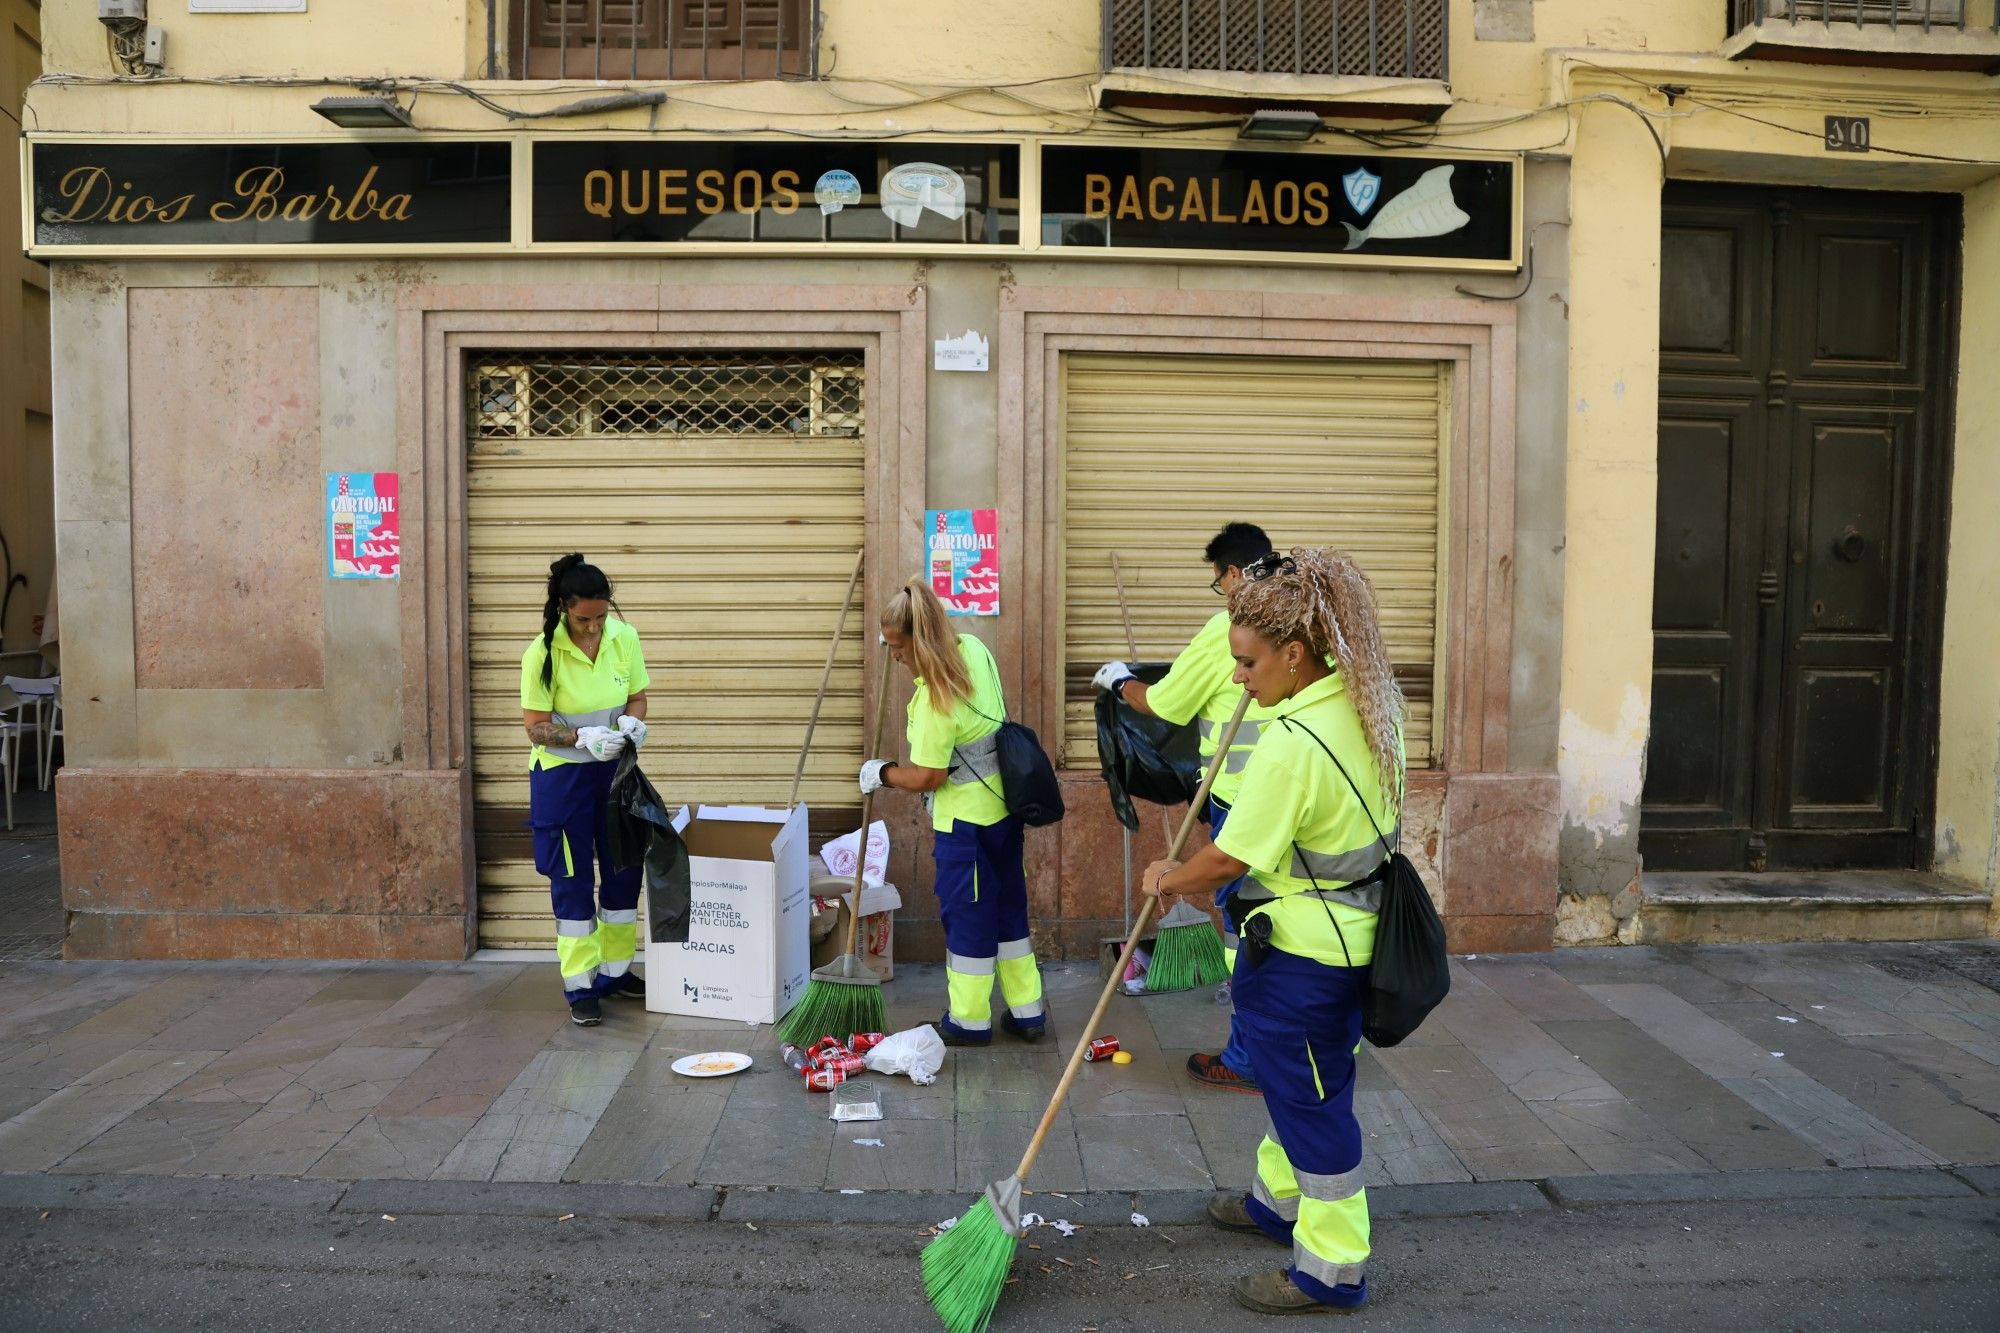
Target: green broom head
(965, 1268)
(1187, 952)
(843, 997)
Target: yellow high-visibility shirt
(934, 736)
(1296, 820)
(1200, 685)
(580, 692)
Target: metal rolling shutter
(1161, 451)
(722, 494)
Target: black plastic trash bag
(641, 832)
(1144, 757)
(1411, 973)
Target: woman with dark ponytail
(982, 887)
(583, 700)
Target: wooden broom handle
(868, 801)
(1132, 651)
(1125, 954)
(1124, 609)
(826, 674)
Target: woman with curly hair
(1314, 824)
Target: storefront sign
(634, 191)
(963, 555)
(1386, 206)
(249, 195)
(363, 528)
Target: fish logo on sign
(1363, 188)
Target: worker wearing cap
(1314, 822)
(1200, 685)
(583, 700)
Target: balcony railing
(1904, 16)
(662, 39)
(1397, 39)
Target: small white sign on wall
(246, 6)
(965, 352)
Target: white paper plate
(712, 1064)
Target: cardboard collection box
(746, 955)
(877, 943)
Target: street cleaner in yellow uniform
(982, 884)
(583, 700)
(1313, 824)
(1201, 684)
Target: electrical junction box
(120, 11)
(156, 46)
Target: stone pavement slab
(1754, 1185)
(1592, 1063)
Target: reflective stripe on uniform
(1021, 948)
(979, 760)
(1238, 758)
(1329, 1189)
(1367, 898)
(618, 918)
(1332, 1274)
(1343, 867)
(576, 754)
(1286, 1208)
(970, 967)
(575, 929)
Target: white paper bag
(839, 855)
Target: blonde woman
(982, 887)
(1313, 827)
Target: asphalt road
(1915, 1264)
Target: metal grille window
(1916, 16)
(1331, 38)
(709, 393)
(663, 39)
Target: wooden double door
(1805, 359)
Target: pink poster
(962, 553)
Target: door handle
(1850, 544)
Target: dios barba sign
(1456, 212)
(233, 195)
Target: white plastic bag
(918, 1052)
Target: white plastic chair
(52, 733)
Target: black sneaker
(587, 1012)
(1013, 1026)
(627, 987)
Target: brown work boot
(1231, 1212)
(1275, 1293)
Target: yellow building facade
(27, 514)
(1638, 359)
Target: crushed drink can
(823, 1045)
(824, 1080)
(863, 1042)
(846, 1062)
(1101, 1048)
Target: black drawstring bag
(1027, 777)
(1143, 757)
(640, 831)
(1411, 973)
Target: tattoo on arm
(552, 733)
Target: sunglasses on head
(1264, 566)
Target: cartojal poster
(962, 553)
(364, 526)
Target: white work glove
(600, 742)
(871, 775)
(1109, 675)
(633, 729)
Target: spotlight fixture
(364, 113)
(1288, 126)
